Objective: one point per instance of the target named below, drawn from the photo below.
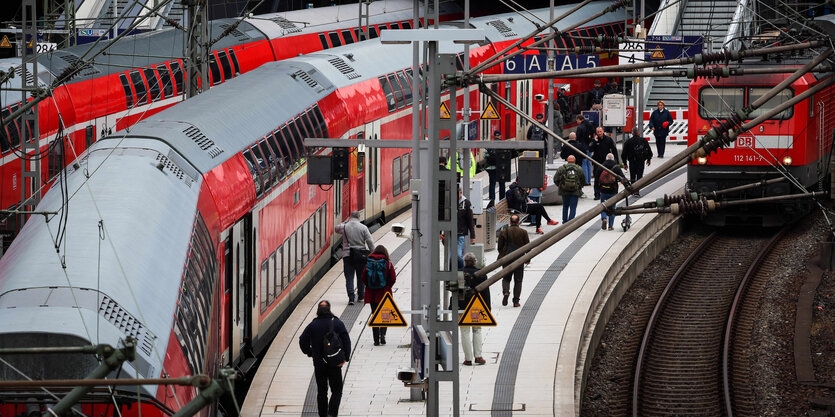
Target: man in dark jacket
(601, 146)
(466, 225)
(608, 186)
(636, 152)
(490, 157)
(578, 156)
(517, 199)
(585, 130)
(660, 121)
(597, 92)
(510, 239)
(312, 343)
(536, 133)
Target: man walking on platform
(326, 337)
(491, 159)
(660, 121)
(570, 179)
(510, 239)
(357, 243)
(636, 152)
(600, 147)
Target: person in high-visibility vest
(460, 165)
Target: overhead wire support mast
(715, 138)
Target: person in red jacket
(379, 276)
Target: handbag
(358, 256)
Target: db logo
(628, 112)
(745, 141)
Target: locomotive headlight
(787, 160)
(701, 160)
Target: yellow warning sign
(5, 42)
(31, 43)
(477, 313)
(657, 53)
(387, 314)
(490, 112)
(445, 111)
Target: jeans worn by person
(491, 192)
(603, 215)
(569, 206)
(353, 271)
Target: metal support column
(30, 180)
(416, 394)
(197, 47)
(549, 149)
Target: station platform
(531, 355)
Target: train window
(406, 25)
(292, 259)
(214, 69)
(224, 63)
(56, 158)
(349, 39)
(405, 171)
(335, 41)
(280, 161)
(165, 79)
(304, 129)
(755, 93)
(235, 62)
(153, 84)
(305, 247)
(4, 137)
(320, 119)
(618, 28)
(285, 150)
(398, 92)
(720, 102)
(372, 32)
(11, 127)
(407, 89)
(179, 80)
(89, 136)
(288, 144)
(139, 87)
(392, 104)
(395, 176)
(560, 42)
(268, 155)
(256, 177)
(459, 64)
(359, 35)
(271, 287)
(128, 92)
(261, 162)
(584, 33)
(310, 118)
(264, 285)
(394, 26)
(297, 137)
(284, 249)
(609, 30)
(279, 270)
(297, 242)
(324, 41)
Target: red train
(123, 86)
(209, 233)
(796, 143)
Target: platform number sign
(531, 64)
(630, 53)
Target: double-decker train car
(196, 233)
(142, 75)
(796, 142)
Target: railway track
(685, 364)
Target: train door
(359, 180)
(240, 268)
(373, 203)
(524, 101)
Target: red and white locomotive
(796, 143)
(195, 231)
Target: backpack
(375, 269)
(642, 150)
(608, 182)
(334, 355)
(537, 133)
(569, 180)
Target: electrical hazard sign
(445, 111)
(490, 112)
(477, 314)
(387, 314)
(4, 43)
(657, 53)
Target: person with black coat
(312, 344)
(608, 186)
(660, 122)
(636, 152)
(578, 156)
(601, 146)
(585, 130)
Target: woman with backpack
(608, 187)
(379, 276)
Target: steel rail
(528, 251)
(735, 305)
(698, 59)
(662, 301)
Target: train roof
(255, 103)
